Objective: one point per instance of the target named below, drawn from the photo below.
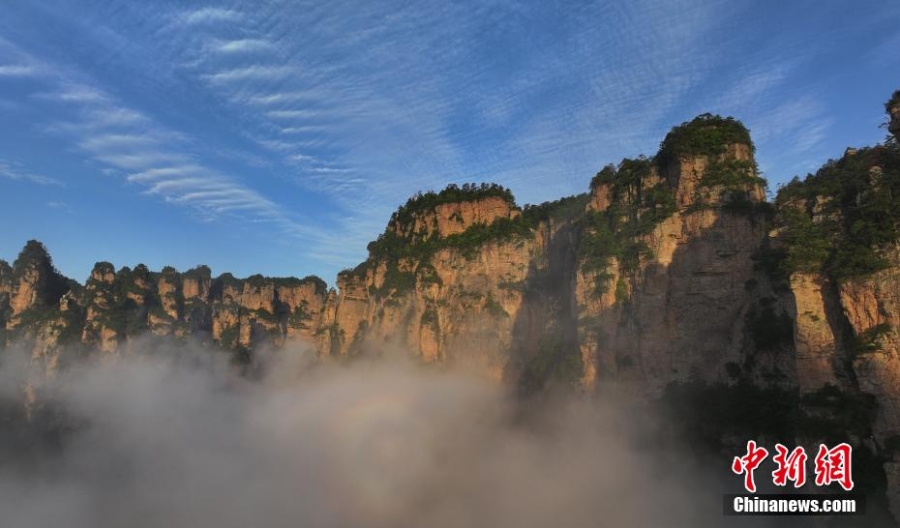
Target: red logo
(748, 463)
(790, 467)
(832, 466)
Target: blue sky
(277, 137)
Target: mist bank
(177, 438)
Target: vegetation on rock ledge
(893, 102)
(705, 135)
(390, 247)
(633, 212)
(469, 192)
(841, 218)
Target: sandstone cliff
(666, 281)
(444, 280)
(114, 307)
(642, 282)
(838, 231)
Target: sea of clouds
(175, 438)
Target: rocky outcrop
(455, 306)
(171, 293)
(35, 303)
(114, 307)
(34, 283)
(893, 111)
(100, 301)
(453, 218)
(712, 179)
(196, 283)
(670, 303)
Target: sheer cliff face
(531, 308)
(837, 234)
(451, 304)
(679, 313)
(872, 309)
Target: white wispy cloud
(207, 190)
(242, 46)
(789, 136)
(745, 92)
(113, 116)
(331, 170)
(278, 145)
(796, 118)
(276, 98)
(209, 15)
(17, 70)
(292, 114)
(224, 197)
(302, 158)
(372, 108)
(305, 129)
(177, 185)
(102, 142)
(249, 73)
(74, 94)
(164, 173)
(125, 140)
(15, 171)
(140, 159)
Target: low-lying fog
(175, 439)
